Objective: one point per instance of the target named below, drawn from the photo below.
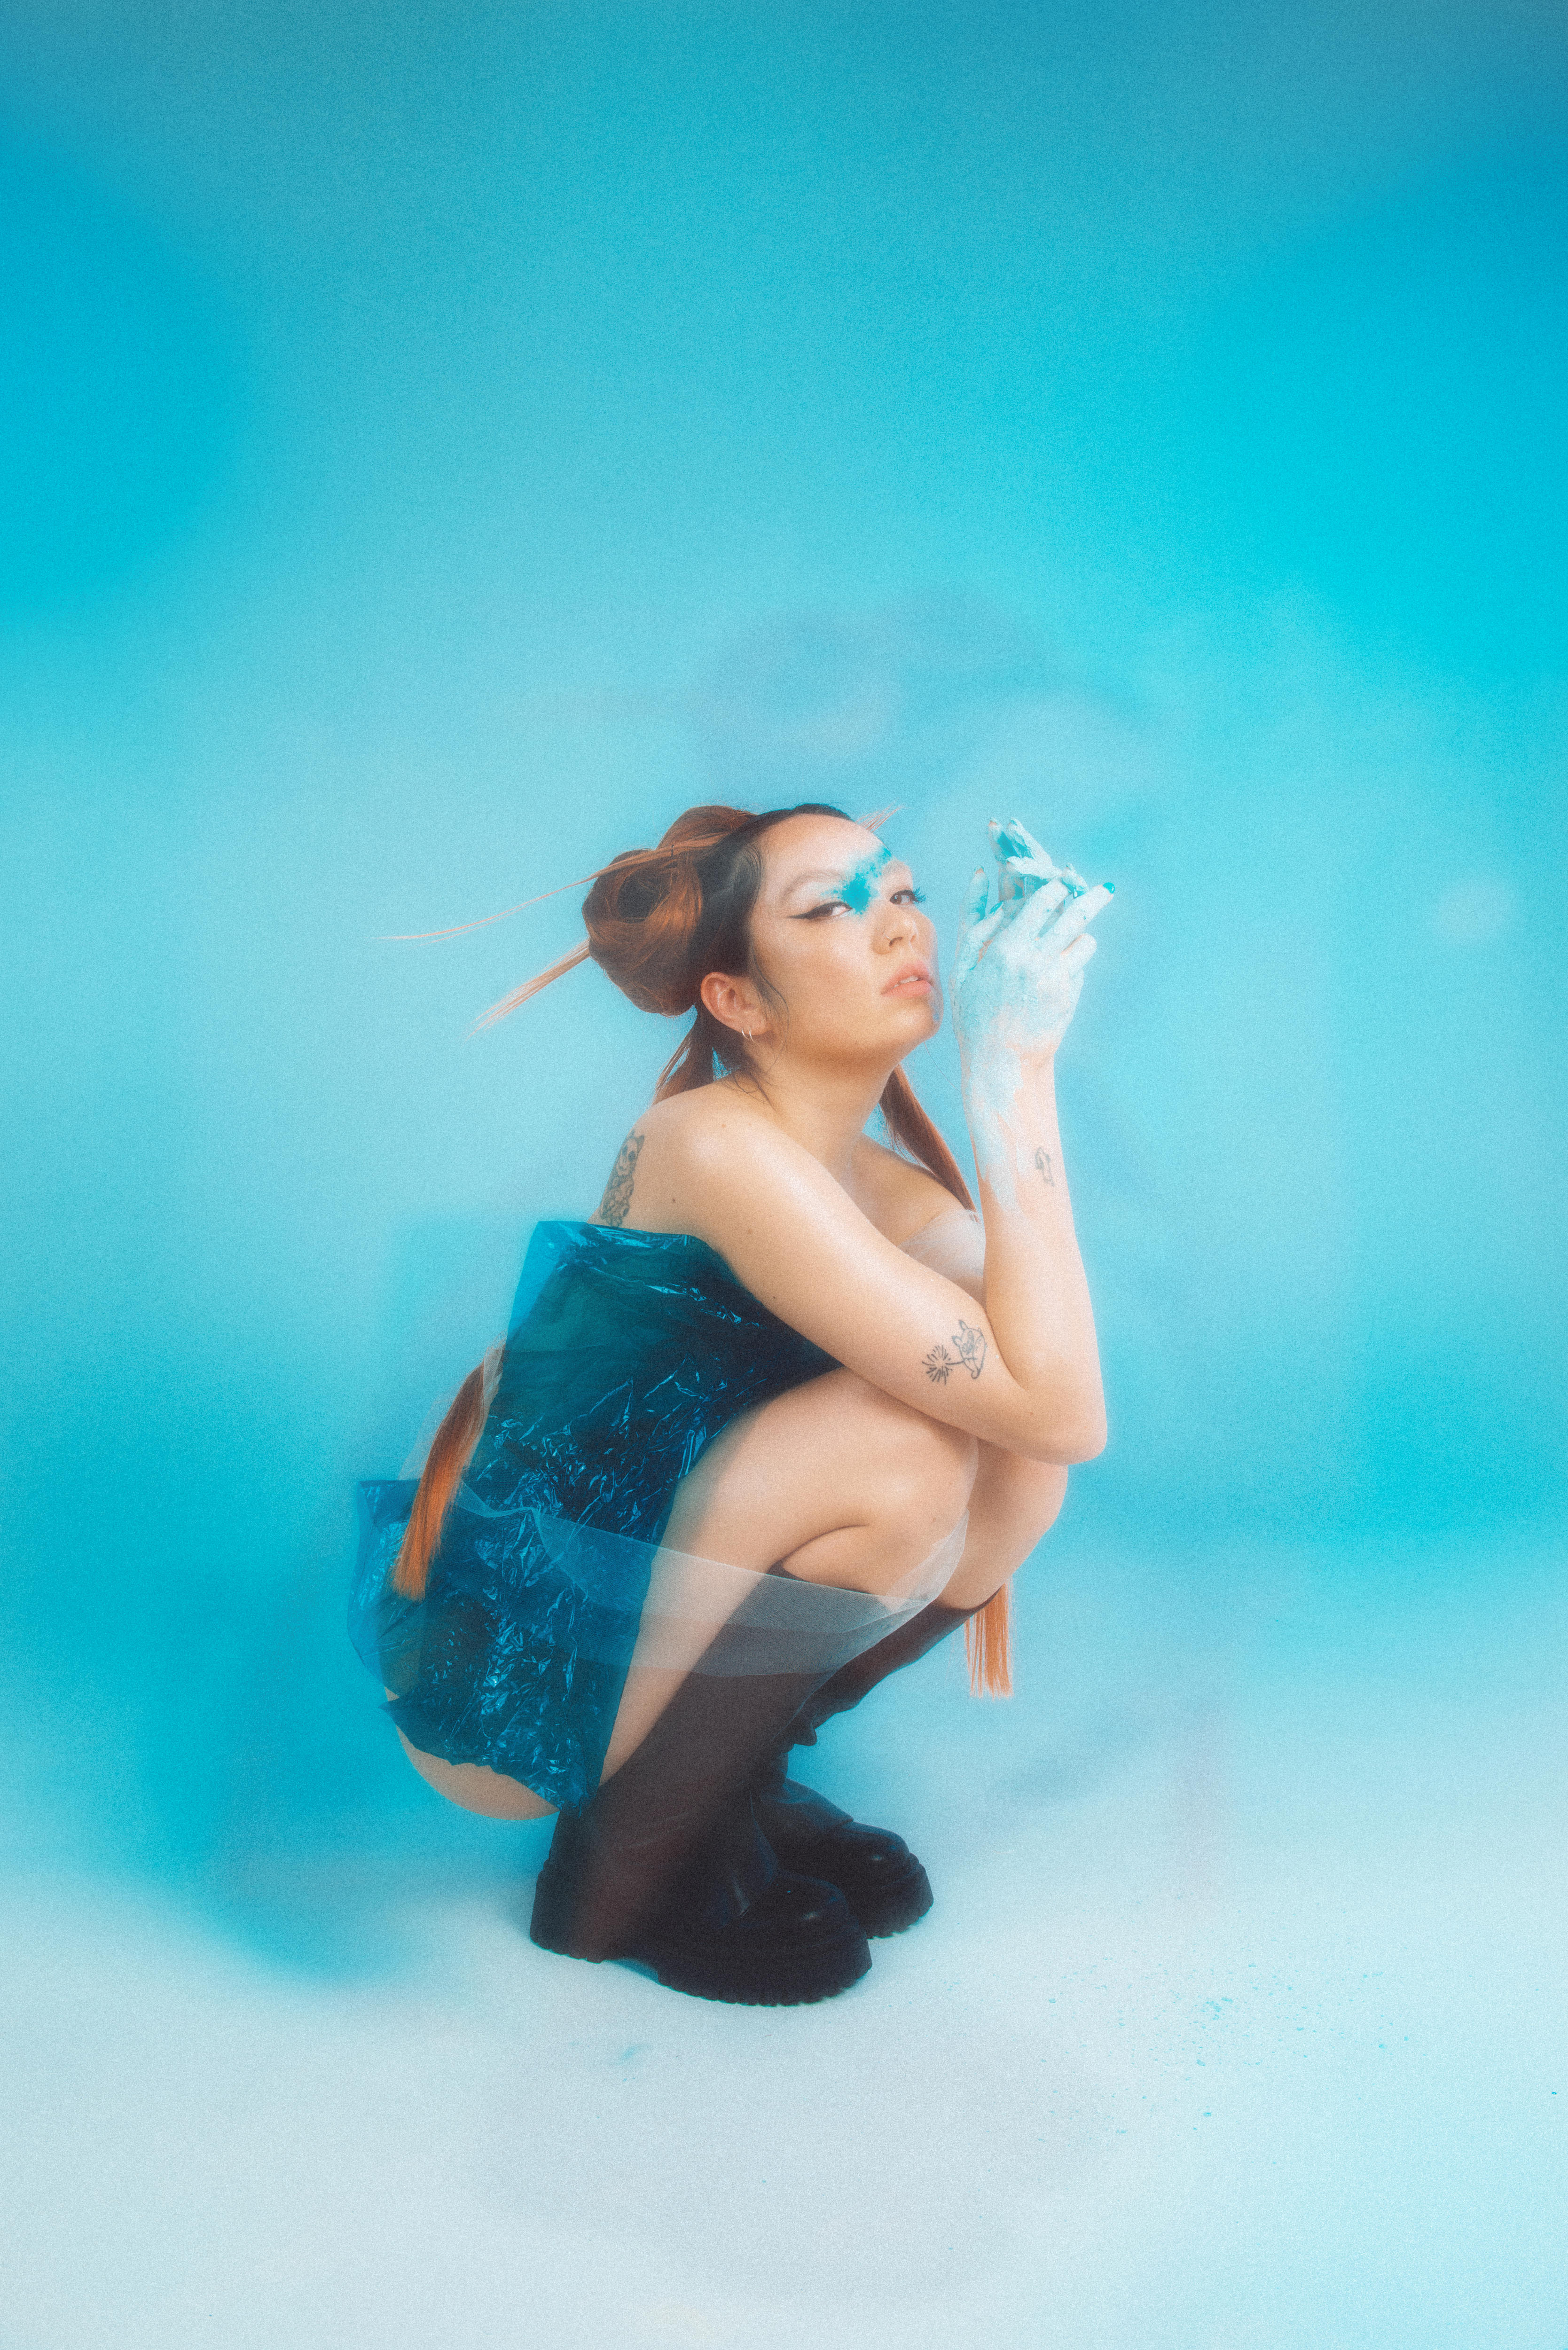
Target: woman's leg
(834, 1483)
(1013, 1503)
(1014, 1506)
(475, 1787)
(834, 1480)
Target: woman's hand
(1026, 866)
(1020, 966)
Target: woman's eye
(841, 906)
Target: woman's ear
(734, 1002)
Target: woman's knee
(832, 1454)
(1014, 1504)
(1022, 1498)
(920, 1467)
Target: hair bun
(644, 915)
(659, 919)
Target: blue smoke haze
(439, 445)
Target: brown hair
(658, 921)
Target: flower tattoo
(968, 1351)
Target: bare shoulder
(897, 1195)
(710, 1162)
(669, 1161)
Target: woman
(779, 1416)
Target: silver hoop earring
(747, 1034)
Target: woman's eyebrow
(819, 873)
(839, 874)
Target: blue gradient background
(438, 444)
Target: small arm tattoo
(1042, 1160)
(623, 1175)
(968, 1354)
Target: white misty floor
(1238, 2026)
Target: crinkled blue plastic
(628, 1352)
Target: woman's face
(839, 934)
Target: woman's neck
(824, 1110)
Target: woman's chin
(917, 1018)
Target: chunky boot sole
(762, 1978)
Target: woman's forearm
(1036, 1293)
(1016, 981)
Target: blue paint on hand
(1027, 866)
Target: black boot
(667, 1864)
(851, 1682)
(733, 1924)
(875, 1870)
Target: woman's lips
(913, 980)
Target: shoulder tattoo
(612, 1209)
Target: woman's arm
(1022, 1371)
(1015, 1502)
(1016, 984)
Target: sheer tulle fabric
(555, 1617)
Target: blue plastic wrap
(628, 1352)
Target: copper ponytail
(909, 1123)
(694, 1061)
(986, 1638)
(449, 1456)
